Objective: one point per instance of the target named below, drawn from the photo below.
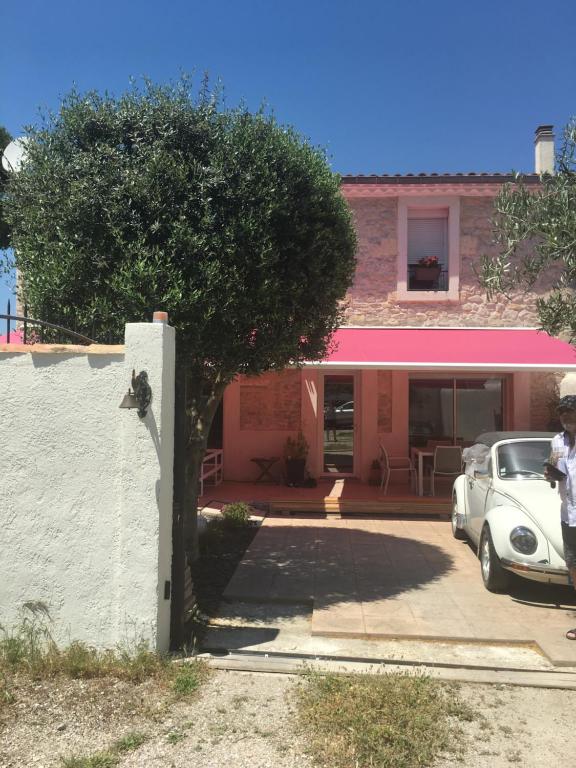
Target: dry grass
(28, 651)
(380, 721)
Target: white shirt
(564, 457)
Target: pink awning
(480, 349)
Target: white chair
(447, 462)
(389, 464)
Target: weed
(99, 760)
(108, 759)
(187, 679)
(129, 742)
(395, 720)
(29, 649)
(175, 736)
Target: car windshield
(524, 459)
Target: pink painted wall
(242, 443)
(250, 426)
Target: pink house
(423, 356)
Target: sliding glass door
(454, 410)
(338, 424)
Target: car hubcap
(454, 518)
(485, 558)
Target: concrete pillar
(146, 471)
(312, 419)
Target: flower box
(427, 274)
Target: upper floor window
(428, 248)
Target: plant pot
(427, 274)
(295, 471)
(375, 475)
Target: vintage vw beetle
(509, 510)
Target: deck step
(333, 505)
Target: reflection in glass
(339, 424)
(454, 411)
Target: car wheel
(458, 533)
(495, 578)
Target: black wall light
(140, 395)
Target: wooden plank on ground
(296, 665)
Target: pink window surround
(422, 207)
(478, 349)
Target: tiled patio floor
(375, 578)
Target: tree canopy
(161, 199)
(536, 231)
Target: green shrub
(236, 514)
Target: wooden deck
(333, 497)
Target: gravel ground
(246, 720)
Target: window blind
(428, 237)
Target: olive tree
(5, 139)
(164, 199)
(536, 232)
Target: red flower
(428, 261)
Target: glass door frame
(454, 376)
(355, 376)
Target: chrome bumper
(537, 572)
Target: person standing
(563, 457)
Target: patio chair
(434, 443)
(447, 462)
(389, 464)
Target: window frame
(452, 204)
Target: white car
(509, 510)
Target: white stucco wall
(86, 488)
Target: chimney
(544, 149)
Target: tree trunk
(203, 398)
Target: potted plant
(375, 473)
(295, 455)
(427, 270)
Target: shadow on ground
(298, 564)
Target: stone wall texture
(372, 299)
(271, 401)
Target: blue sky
(386, 86)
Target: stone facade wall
(372, 298)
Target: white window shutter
(428, 237)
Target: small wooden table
(265, 464)
(418, 454)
